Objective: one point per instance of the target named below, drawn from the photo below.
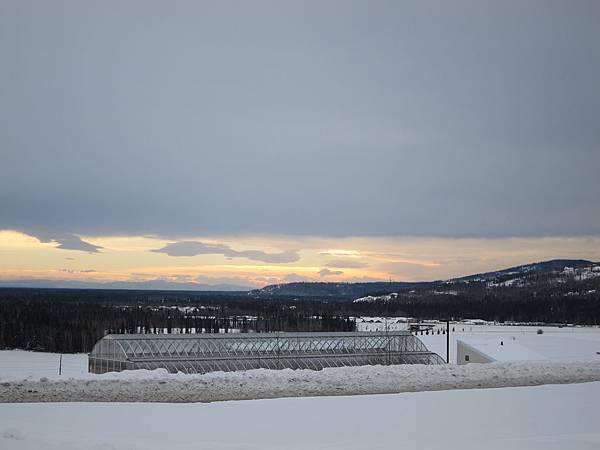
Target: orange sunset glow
(136, 259)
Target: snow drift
(160, 386)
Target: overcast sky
(450, 119)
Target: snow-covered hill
(558, 271)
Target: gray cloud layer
(193, 248)
(78, 271)
(66, 241)
(468, 118)
(325, 272)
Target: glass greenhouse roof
(207, 352)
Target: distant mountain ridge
(552, 271)
(327, 289)
(517, 275)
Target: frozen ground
(532, 418)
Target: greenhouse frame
(202, 353)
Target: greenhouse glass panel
(202, 353)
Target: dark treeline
(72, 321)
(570, 302)
(582, 311)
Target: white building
(490, 350)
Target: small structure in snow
(466, 354)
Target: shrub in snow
(540, 331)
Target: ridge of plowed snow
(160, 386)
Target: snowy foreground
(160, 386)
(545, 417)
(458, 412)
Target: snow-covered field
(521, 343)
(559, 355)
(555, 344)
(422, 407)
(561, 417)
(22, 364)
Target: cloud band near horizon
(255, 261)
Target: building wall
(466, 354)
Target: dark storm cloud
(470, 118)
(193, 248)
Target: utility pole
(60, 365)
(447, 341)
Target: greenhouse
(201, 353)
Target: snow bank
(160, 386)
